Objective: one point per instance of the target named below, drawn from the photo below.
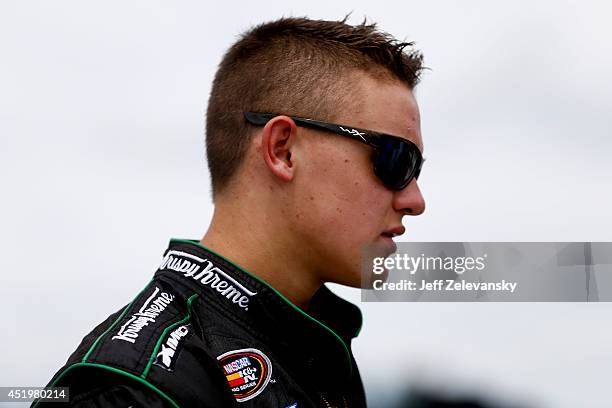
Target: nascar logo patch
(248, 372)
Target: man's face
(341, 206)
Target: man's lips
(394, 232)
(389, 234)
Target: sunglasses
(396, 160)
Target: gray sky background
(102, 161)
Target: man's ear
(277, 140)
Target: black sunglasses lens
(397, 162)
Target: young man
(300, 186)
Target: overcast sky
(102, 161)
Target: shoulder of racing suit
(150, 350)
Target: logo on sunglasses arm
(354, 132)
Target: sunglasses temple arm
(260, 119)
(354, 133)
(257, 119)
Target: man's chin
(369, 277)
(361, 279)
(371, 270)
(352, 280)
(361, 274)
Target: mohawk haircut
(299, 67)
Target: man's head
(320, 192)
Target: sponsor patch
(170, 348)
(155, 304)
(247, 371)
(208, 274)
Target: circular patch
(247, 371)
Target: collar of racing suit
(329, 325)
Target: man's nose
(409, 200)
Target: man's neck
(250, 243)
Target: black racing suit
(206, 333)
